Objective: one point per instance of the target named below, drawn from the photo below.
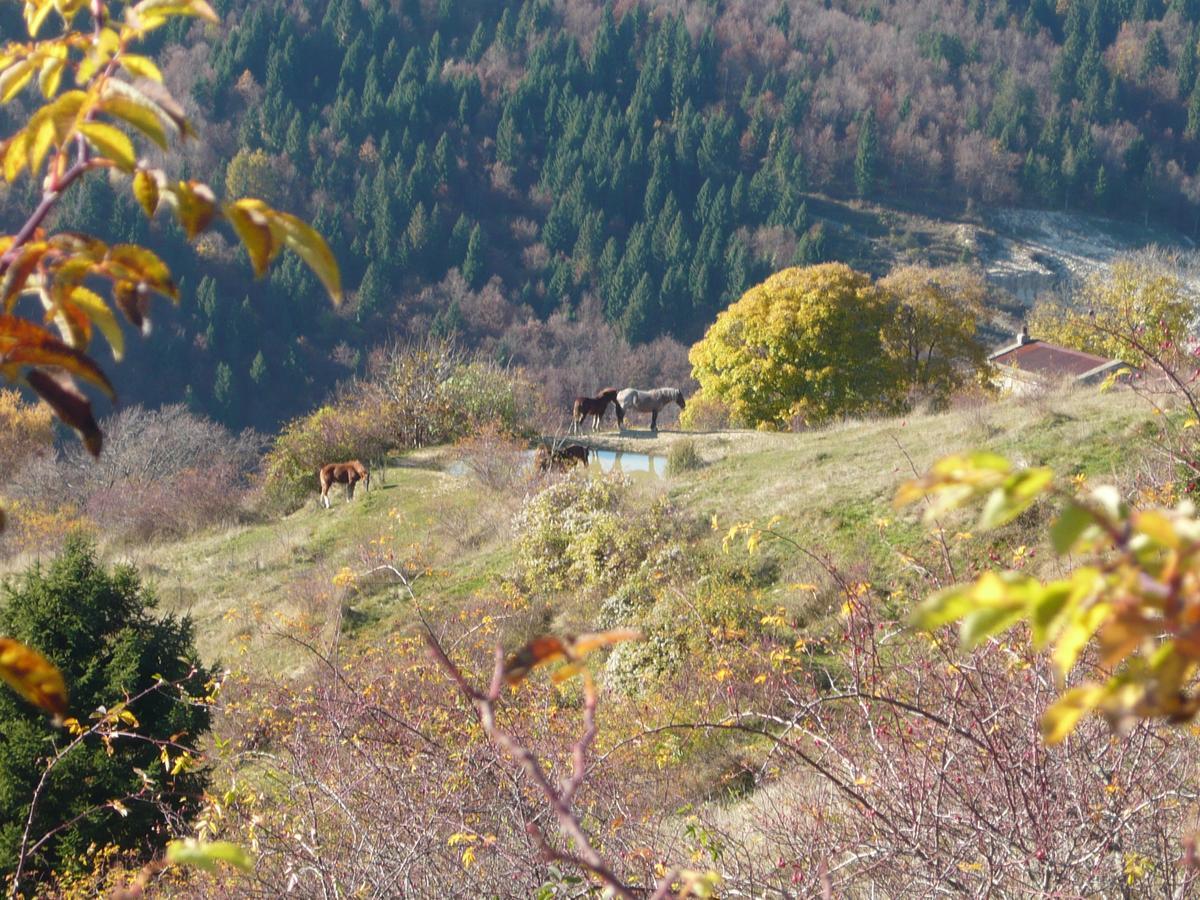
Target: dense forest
(478, 167)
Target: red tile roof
(1040, 358)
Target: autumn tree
(807, 342)
(1139, 311)
(932, 334)
(26, 429)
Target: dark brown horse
(560, 458)
(347, 473)
(595, 407)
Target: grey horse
(646, 401)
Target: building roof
(1041, 358)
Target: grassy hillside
(831, 487)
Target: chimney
(1023, 336)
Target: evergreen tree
(103, 632)
(865, 155)
(472, 267)
(372, 292)
(225, 391)
(258, 369)
(1154, 54)
(640, 318)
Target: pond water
(611, 460)
(606, 460)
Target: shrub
(807, 341)
(163, 473)
(704, 413)
(330, 434)
(97, 626)
(683, 457)
(415, 395)
(578, 533)
(493, 457)
(26, 431)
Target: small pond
(606, 460)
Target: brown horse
(560, 458)
(595, 407)
(347, 473)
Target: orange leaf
(24, 344)
(548, 648)
(544, 649)
(33, 676)
(69, 405)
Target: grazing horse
(595, 407)
(646, 401)
(560, 458)
(347, 473)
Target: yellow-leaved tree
(932, 334)
(1139, 311)
(94, 100)
(807, 342)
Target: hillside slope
(831, 487)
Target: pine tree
(372, 294)
(224, 391)
(472, 267)
(1192, 130)
(865, 154)
(1154, 54)
(1101, 190)
(479, 43)
(640, 318)
(1185, 69)
(258, 369)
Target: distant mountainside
(659, 156)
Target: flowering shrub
(577, 533)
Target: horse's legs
(654, 420)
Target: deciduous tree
(932, 334)
(806, 342)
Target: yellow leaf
(145, 190)
(191, 852)
(41, 137)
(23, 343)
(255, 234)
(14, 78)
(102, 316)
(195, 205)
(15, 157)
(111, 143)
(141, 117)
(141, 66)
(33, 676)
(50, 76)
(1062, 717)
(302, 240)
